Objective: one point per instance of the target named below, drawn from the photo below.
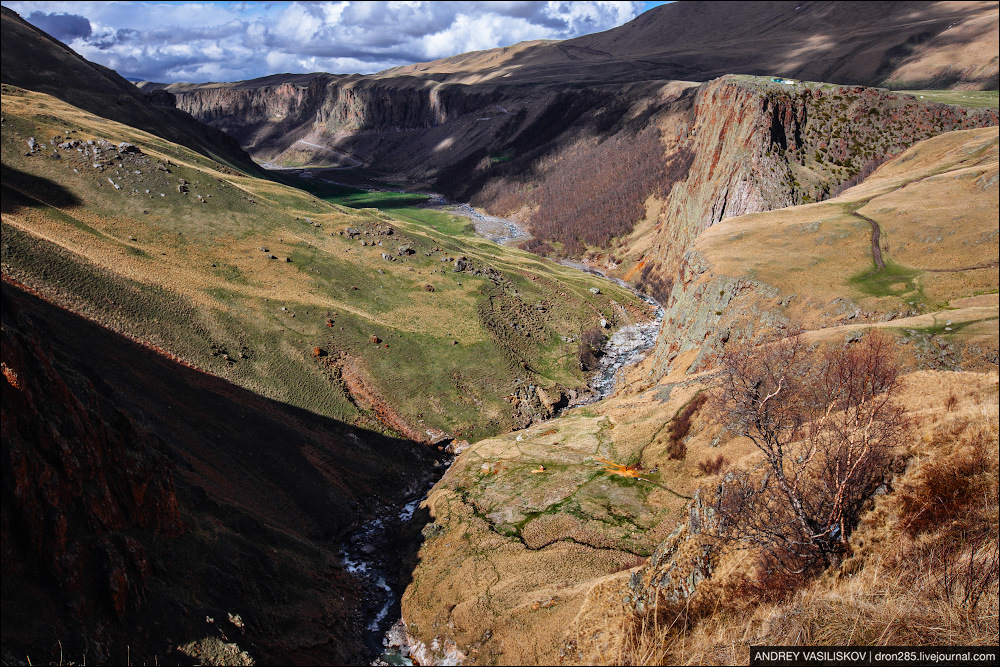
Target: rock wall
(269, 117)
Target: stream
(365, 551)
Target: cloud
(187, 41)
(62, 26)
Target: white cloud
(188, 41)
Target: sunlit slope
(935, 207)
(282, 292)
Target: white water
(626, 347)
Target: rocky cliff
(268, 116)
(813, 267)
(734, 145)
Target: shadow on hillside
(269, 491)
(22, 190)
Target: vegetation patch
(894, 280)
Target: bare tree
(827, 426)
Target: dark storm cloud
(62, 26)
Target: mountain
(219, 390)
(901, 44)
(35, 61)
(223, 395)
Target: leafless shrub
(951, 402)
(826, 426)
(712, 464)
(680, 426)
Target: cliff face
(759, 146)
(267, 118)
(811, 267)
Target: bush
(591, 348)
(680, 426)
(827, 426)
(712, 464)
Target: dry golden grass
(923, 569)
(819, 252)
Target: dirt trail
(876, 236)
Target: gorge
(261, 337)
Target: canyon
(222, 402)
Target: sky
(233, 41)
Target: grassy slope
(184, 271)
(938, 255)
(965, 98)
(549, 526)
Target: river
(366, 550)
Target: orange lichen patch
(613, 468)
(539, 604)
(493, 468)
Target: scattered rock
(375, 339)
(429, 288)
(405, 250)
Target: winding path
(876, 236)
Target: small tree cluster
(594, 191)
(826, 425)
(591, 348)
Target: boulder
(405, 250)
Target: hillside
(153, 509)
(285, 294)
(228, 389)
(592, 533)
(35, 61)
(900, 44)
